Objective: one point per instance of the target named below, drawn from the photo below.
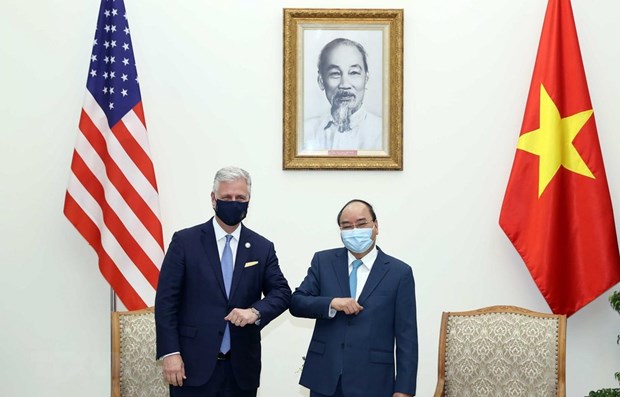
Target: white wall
(211, 77)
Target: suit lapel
(243, 252)
(341, 268)
(213, 256)
(378, 271)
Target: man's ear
(319, 79)
(213, 202)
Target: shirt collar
(221, 233)
(368, 260)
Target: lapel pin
(248, 245)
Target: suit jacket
(191, 302)
(360, 348)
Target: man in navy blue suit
(365, 340)
(208, 308)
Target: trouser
(221, 384)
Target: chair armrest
(439, 392)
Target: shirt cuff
(332, 312)
(170, 354)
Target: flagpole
(112, 310)
(112, 300)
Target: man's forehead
(345, 50)
(356, 210)
(239, 185)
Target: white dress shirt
(220, 238)
(363, 271)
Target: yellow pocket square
(250, 264)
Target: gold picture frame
(343, 89)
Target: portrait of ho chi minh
(342, 75)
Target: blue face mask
(231, 212)
(357, 240)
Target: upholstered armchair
(501, 351)
(135, 372)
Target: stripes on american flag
(112, 197)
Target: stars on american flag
(113, 56)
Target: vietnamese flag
(557, 209)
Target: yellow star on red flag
(553, 141)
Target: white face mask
(357, 240)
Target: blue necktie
(353, 277)
(227, 272)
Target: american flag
(112, 197)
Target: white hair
(231, 174)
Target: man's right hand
(174, 370)
(347, 305)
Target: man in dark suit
(364, 304)
(208, 308)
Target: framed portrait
(343, 90)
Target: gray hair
(231, 174)
(329, 47)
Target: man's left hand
(241, 317)
(402, 395)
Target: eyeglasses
(361, 224)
